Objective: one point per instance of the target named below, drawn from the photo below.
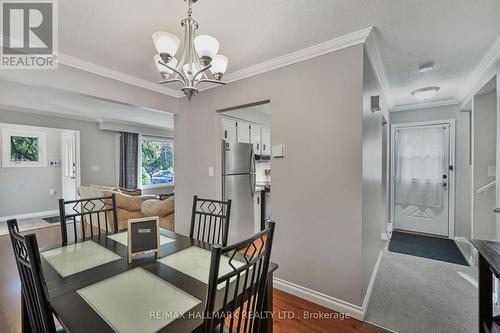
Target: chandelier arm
(174, 70)
(172, 80)
(200, 72)
(209, 81)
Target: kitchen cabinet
(229, 129)
(243, 132)
(266, 141)
(255, 138)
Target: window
(157, 159)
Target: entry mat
(426, 247)
(51, 219)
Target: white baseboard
(371, 283)
(383, 236)
(355, 311)
(29, 215)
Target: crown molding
(424, 105)
(83, 65)
(317, 50)
(373, 51)
(483, 72)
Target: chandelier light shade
(197, 59)
(166, 43)
(206, 46)
(219, 65)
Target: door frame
(451, 178)
(78, 174)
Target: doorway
(422, 177)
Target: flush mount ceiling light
(424, 68)
(198, 57)
(425, 93)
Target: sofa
(132, 204)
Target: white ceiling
(454, 34)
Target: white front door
(68, 165)
(422, 178)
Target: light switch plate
(278, 151)
(210, 171)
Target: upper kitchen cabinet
(255, 138)
(265, 141)
(243, 132)
(229, 129)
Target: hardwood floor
(289, 310)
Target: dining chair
(34, 299)
(91, 213)
(244, 286)
(210, 220)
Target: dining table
(93, 288)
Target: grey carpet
(413, 294)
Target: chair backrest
(238, 306)
(91, 213)
(35, 297)
(210, 220)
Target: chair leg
(25, 321)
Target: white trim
(451, 174)
(77, 63)
(355, 311)
(483, 72)
(332, 45)
(463, 240)
(329, 46)
(373, 51)
(29, 215)
(430, 104)
(117, 160)
(383, 236)
(330, 302)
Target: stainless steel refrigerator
(238, 184)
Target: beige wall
(317, 188)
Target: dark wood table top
(490, 251)
(78, 316)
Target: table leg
(485, 292)
(266, 325)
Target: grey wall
(96, 148)
(374, 205)
(26, 190)
(317, 187)
(484, 110)
(463, 169)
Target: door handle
(446, 184)
(496, 210)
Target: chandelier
(198, 57)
